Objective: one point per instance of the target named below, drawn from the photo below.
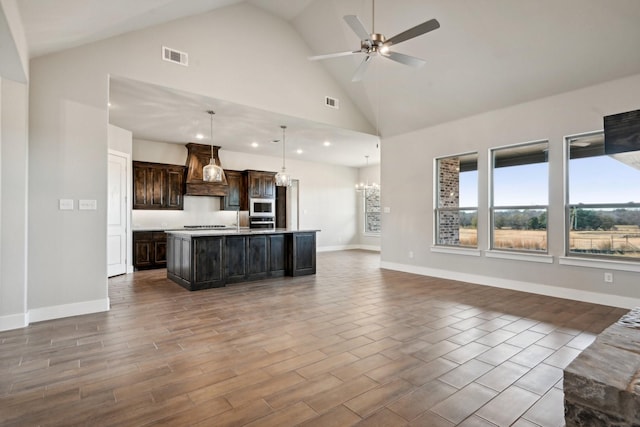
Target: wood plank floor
(353, 345)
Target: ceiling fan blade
(357, 26)
(405, 59)
(362, 68)
(333, 55)
(416, 31)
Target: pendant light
(362, 186)
(212, 172)
(283, 179)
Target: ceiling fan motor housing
(373, 44)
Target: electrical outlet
(411, 254)
(608, 277)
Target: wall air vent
(331, 102)
(175, 56)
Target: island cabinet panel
(179, 260)
(208, 270)
(278, 254)
(303, 254)
(236, 258)
(205, 261)
(257, 257)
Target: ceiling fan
(375, 44)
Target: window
(372, 220)
(603, 199)
(520, 187)
(456, 210)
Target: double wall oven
(262, 213)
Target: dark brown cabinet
(262, 185)
(149, 249)
(236, 199)
(158, 186)
(209, 261)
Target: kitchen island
(203, 259)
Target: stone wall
(602, 385)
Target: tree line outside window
(602, 211)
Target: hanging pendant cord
(283, 143)
(373, 16)
(211, 113)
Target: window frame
(365, 212)
(436, 203)
(493, 208)
(571, 256)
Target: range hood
(197, 157)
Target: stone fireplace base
(602, 385)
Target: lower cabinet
(149, 249)
(201, 262)
(303, 254)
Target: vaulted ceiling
(488, 54)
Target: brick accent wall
(449, 197)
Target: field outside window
(603, 209)
(520, 195)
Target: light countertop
(241, 232)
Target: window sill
(519, 256)
(455, 251)
(371, 234)
(600, 263)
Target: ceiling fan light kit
(375, 44)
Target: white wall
(13, 168)
(13, 204)
(327, 199)
(407, 177)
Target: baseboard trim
(336, 248)
(68, 310)
(516, 285)
(347, 248)
(14, 321)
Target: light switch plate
(87, 205)
(65, 204)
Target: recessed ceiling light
(254, 144)
(326, 143)
(299, 151)
(199, 136)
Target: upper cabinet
(236, 199)
(262, 185)
(158, 186)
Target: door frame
(129, 184)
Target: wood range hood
(198, 157)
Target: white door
(117, 216)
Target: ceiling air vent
(331, 102)
(175, 56)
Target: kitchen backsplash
(197, 211)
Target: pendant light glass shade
(212, 172)
(283, 179)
